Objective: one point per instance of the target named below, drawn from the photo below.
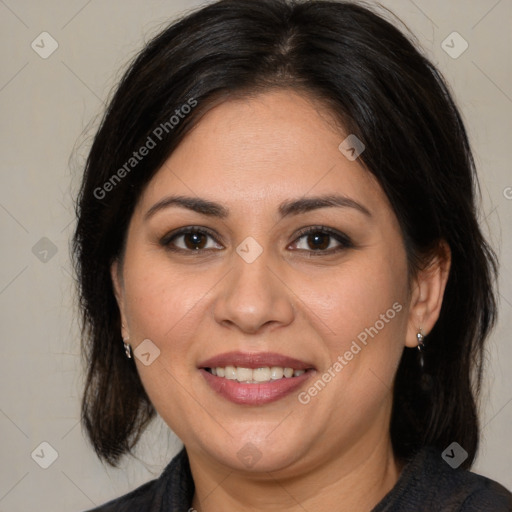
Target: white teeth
(243, 374)
(254, 376)
(230, 372)
(261, 374)
(276, 372)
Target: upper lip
(254, 360)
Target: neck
(325, 487)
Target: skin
(250, 155)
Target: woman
(278, 252)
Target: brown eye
(318, 240)
(323, 240)
(194, 240)
(188, 240)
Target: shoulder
(173, 490)
(464, 490)
(489, 495)
(139, 499)
(428, 483)
(477, 493)
(458, 490)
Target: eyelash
(342, 239)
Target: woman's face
(255, 292)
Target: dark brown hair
(386, 93)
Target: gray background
(49, 109)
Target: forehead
(270, 147)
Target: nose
(254, 296)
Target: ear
(118, 287)
(427, 294)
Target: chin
(256, 454)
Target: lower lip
(254, 394)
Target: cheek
(366, 316)
(356, 297)
(161, 300)
(165, 307)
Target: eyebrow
(286, 209)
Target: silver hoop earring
(127, 348)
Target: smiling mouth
(260, 375)
(255, 378)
